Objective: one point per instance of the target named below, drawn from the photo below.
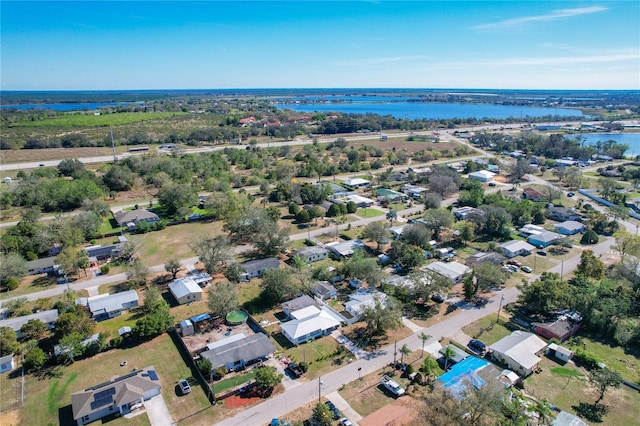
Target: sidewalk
(344, 407)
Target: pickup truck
(295, 369)
(392, 386)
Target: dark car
(334, 410)
(492, 184)
(438, 298)
(295, 369)
(571, 194)
(542, 253)
(477, 346)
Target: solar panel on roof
(104, 393)
(153, 375)
(101, 402)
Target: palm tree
(404, 350)
(449, 353)
(429, 367)
(424, 337)
(392, 215)
(543, 410)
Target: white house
(360, 201)
(452, 270)
(569, 227)
(185, 290)
(360, 301)
(310, 323)
(518, 351)
(346, 248)
(105, 306)
(311, 254)
(120, 395)
(357, 182)
(48, 317)
(515, 248)
(482, 175)
(397, 231)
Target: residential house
(297, 304)
(482, 176)
(121, 395)
(93, 340)
(345, 249)
(361, 202)
(133, 217)
(532, 194)
(560, 352)
(105, 306)
(515, 248)
(387, 195)
(235, 352)
(569, 227)
(359, 301)
(470, 371)
(325, 291)
(48, 317)
(311, 254)
(6, 363)
(561, 214)
(419, 171)
(357, 182)
(543, 239)
(518, 351)
(561, 328)
(255, 268)
(453, 270)
(46, 265)
(483, 257)
(529, 229)
(567, 419)
(185, 290)
(310, 323)
(99, 252)
(413, 191)
(396, 231)
(462, 212)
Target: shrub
(589, 237)
(104, 269)
(11, 283)
(115, 341)
(586, 359)
(304, 366)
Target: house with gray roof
(185, 290)
(48, 317)
(345, 249)
(311, 254)
(125, 218)
(46, 265)
(324, 290)
(455, 271)
(485, 257)
(105, 306)
(518, 351)
(569, 227)
(296, 304)
(515, 248)
(255, 268)
(543, 239)
(121, 395)
(239, 353)
(561, 214)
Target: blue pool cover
(462, 374)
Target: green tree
(590, 266)
(362, 268)
(589, 237)
(449, 353)
(278, 283)
(233, 272)
(469, 287)
(173, 196)
(303, 216)
(627, 244)
(267, 377)
(33, 330)
(35, 359)
(404, 350)
(137, 274)
(377, 231)
(423, 337)
(8, 341)
(294, 209)
(382, 316)
(205, 366)
(352, 207)
(12, 265)
(436, 219)
(545, 295)
(71, 347)
(270, 239)
(222, 298)
(172, 266)
(603, 379)
(214, 252)
(488, 276)
(416, 234)
(87, 222)
(152, 300)
(322, 415)
(154, 323)
(76, 321)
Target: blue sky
(103, 45)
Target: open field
(48, 397)
(486, 329)
(77, 119)
(627, 363)
(567, 387)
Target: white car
(345, 422)
(184, 386)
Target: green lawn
(103, 120)
(48, 397)
(486, 329)
(233, 382)
(627, 363)
(317, 353)
(370, 212)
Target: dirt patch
(250, 396)
(9, 418)
(410, 146)
(401, 412)
(22, 155)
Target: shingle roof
(134, 215)
(298, 303)
(16, 323)
(247, 349)
(259, 264)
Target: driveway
(158, 412)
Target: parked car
(526, 269)
(541, 253)
(345, 422)
(477, 346)
(185, 388)
(492, 184)
(334, 410)
(438, 298)
(513, 262)
(295, 369)
(571, 194)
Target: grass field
(90, 120)
(318, 354)
(486, 329)
(48, 397)
(627, 363)
(225, 384)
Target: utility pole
(500, 308)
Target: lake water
(66, 106)
(630, 139)
(419, 110)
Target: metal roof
(111, 302)
(184, 287)
(16, 323)
(248, 349)
(259, 264)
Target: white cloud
(564, 60)
(377, 61)
(551, 16)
